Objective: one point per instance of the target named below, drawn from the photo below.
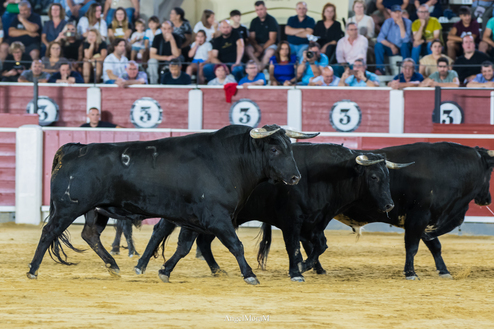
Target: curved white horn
(490, 153)
(261, 132)
(299, 135)
(393, 165)
(364, 161)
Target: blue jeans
(85, 8)
(208, 71)
(380, 50)
(298, 50)
(110, 82)
(130, 15)
(424, 49)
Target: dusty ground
(364, 287)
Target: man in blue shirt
(395, 38)
(484, 79)
(359, 76)
(26, 28)
(311, 63)
(66, 75)
(253, 77)
(408, 77)
(298, 28)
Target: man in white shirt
(115, 63)
(352, 46)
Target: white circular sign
(47, 110)
(146, 113)
(450, 113)
(345, 116)
(245, 112)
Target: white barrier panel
(294, 109)
(195, 109)
(93, 98)
(28, 174)
(396, 112)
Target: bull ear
(299, 135)
(393, 165)
(364, 161)
(257, 133)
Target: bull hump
(349, 221)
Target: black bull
(200, 181)
(335, 178)
(431, 197)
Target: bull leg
(95, 224)
(186, 239)
(292, 245)
(414, 227)
(435, 249)
(315, 264)
(161, 232)
(127, 231)
(204, 245)
(115, 250)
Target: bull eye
(374, 177)
(274, 150)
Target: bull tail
(56, 250)
(264, 246)
(166, 228)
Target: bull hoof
(321, 271)
(114, 272)
(31, 276)
(446, 276)
(220, 272)
(139, 271)
(298, 279)
(164, 278)
(413, 277)
(114, 252)
(252, 280)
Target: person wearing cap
(394, 39)
(383, 7)
(175, 76)
(425, 30)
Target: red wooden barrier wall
(317, 104)
(272, 102)
(419, 105)
(7, 168)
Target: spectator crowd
(107, 41)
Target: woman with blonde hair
(53, 58)
(92, 20)
(329, 31)
(15, 63)
(207, 24)
(365, 23)
(120, 26)
(53, 28)
(94, 54)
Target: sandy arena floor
(364, 287)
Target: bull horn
(393, 165)
(490, 153)
(364, 161)
(261, 132)
(299, 135)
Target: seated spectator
(384, 8)
(435, 8)
(36, 71)
(208, 24)
(137, 40)
(75, 9)
(482, 10)
(487, 43)
(408, 77)
(443, 77)
(425, 29)
(26, 28)
(175, 76)
(15, 63)
(132, 76)
(66, 75)
(352, 46)
(394, 38)
(92, 20)
(94, 120)
(282, 66)
(153, 29)
(365, 23)
(485, 79)
(329, 31)
(359, 76)
(72, 47)
(464, 25)
(182, 28)
(114, 64)
(132, 9)
(53, 58)
(223, 76)
(199, 52)
(298, 28)
(120, 26)
(428, 64)
(326, 79)
(311, 63)
(227, 49)
(253, 77)
(94, 54)
(468, 65)
(241, 29)
(165, 47)
(263, 36)
(53, 28)
(11, 8)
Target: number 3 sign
(47, 110)
(146, 113)
(245, 112)
(345, 116)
